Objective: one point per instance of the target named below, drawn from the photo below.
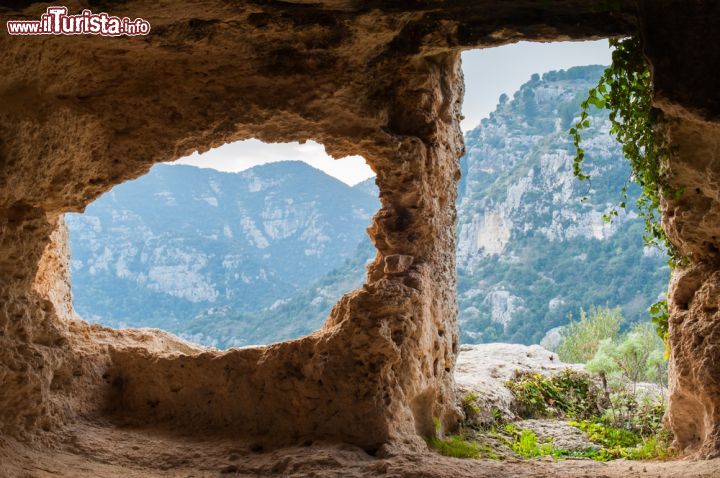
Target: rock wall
(81, 114)
(680, 45)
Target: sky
(488, 74)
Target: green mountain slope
(160, 250)
(530, 252)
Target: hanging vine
(625, 89)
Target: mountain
(179, 241)
(368, 187)
(530, 251)
(294, 316)
(261, 256)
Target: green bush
(637, 356)
(581, 339)
(608, 436)
(469, 406)
(526, 445)
(621, 443)
(656, 447)
(568, 393)
(621, 421)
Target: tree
(637, 356)
(581, 339)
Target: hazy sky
(488, 74)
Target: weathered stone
(680, 45)
(397, 263)
(483, 370)
(80, 114)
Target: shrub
(469, 405)
(621, 443)
(580, 339)
(568, 393)
(654, 447)
(608, 436)
(637, 356)
(526, 445)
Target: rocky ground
(484, 369)
(104, 450)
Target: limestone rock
(484, 369)
(80, 114)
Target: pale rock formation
(503, 306)
(484, 369)
(552, 338)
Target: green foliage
(469, 406)
(643, 417)
(526, 445)
(597, 454)
(625, 89)
(628, 418)
(630, 425)
(611, 443)
(622, 426)
(581, 339)
(637, 356)
(456, 446)
(568, 393)
(609, 436)
(595, 339)
(524, 442)
(660, 317)
(459, 446)
(622, 443)
(623, 421)
(656, 447)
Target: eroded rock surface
(81, 114)
(691, 110)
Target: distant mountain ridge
(230, 259)
(162, 249)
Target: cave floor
(99, 450)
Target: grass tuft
(456, 446)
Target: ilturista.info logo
(56, 21)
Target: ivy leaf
(625, 89)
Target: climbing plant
(625, 89)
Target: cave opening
(550, 289)
(247, 244)
(381, 82)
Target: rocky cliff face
(533, 246)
